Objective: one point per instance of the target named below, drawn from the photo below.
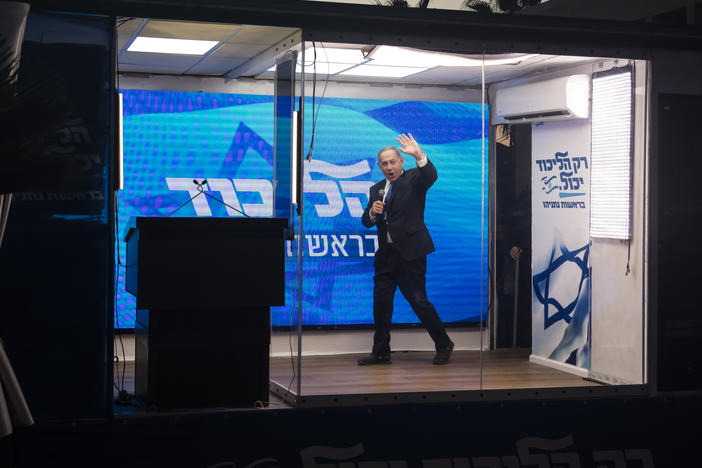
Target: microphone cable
(201, 191)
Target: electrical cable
(324, 91)
(290, 335)
(122, 22)
(491, 292)
(296, 288)
(201, 191)
(292, 356)
(315, 114)
(225, 204)
(314, 97)
(187, 201)
(628, 257)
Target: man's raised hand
(409, 145)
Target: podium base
(226, 353)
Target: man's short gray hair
(390, 148)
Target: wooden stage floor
(409, 372)
(414, 372)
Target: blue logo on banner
(560, 256)
(568, 183)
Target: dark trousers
(391, 272)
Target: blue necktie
(387, 199)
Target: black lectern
(203, 289)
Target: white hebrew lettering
(525, 445)
(309, 455)
(358, 239)
(330, 188)
(616, 457)
(186, 184)
(225, 187)
(338, 243)
(318, 241)
(375, 244)
(354, 203)
(644, 455)
(334, 202)
(264, 188)
(486, 462)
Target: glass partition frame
(486, 328)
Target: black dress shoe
(373, 359)
(442, 355)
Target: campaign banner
(561, 242)
(171, 138)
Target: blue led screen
(171, 138)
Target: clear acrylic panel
(344, 131)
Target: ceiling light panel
(162, 45)
(324, 68)
(382, 71)
(398, 56)
(335, 55)
(329, 60)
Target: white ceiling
(248, 51)
(237, 45)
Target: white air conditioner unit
(559, 98)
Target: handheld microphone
(381, 194)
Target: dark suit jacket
(405, 210)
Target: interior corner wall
(618, 301)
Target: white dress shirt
(421, 162)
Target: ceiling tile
(175, 63)
(261, 35)
(128, 26)
(122, 41)
(188, 30)
(240, 50)
(215, 66)
(164, 69)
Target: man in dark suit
(396, 208)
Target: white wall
(361, 341)
(342, 342)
